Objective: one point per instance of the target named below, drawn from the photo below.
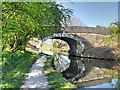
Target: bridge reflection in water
(80, 71)
(75, 68)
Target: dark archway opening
(75, 47)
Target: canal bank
(36, 77)
(95, 72)
(95, 69)
(56, 79)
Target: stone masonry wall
(94, 35)
(94, 39)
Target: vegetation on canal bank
(56, 46)
(55, 79)
(113, 41)
(19, 25)
(22, 21)
(15, 66)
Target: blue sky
(94, 13)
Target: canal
(81, 71)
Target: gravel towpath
(36, 77)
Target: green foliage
(114, 36)
(59, 44)
(56, 46)
(14, 68)
(55, 79)
(101, 27)
(21, 21)
(114, 39)
(114, 29)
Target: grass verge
(55, 79)
(15, 66)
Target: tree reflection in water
(60, 62)
(72, 68)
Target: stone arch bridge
(77, 44)
(82, 40)
(94, 35)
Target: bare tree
(74, 21)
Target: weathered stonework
(82, 42)
(94, 35)
(94, 39)
(77, 44)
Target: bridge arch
(77, 44)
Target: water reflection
(77, 68)
(60, 62)
(71, 67)
(103, 83)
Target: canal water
(75, 68)
(83, 72)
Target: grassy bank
(115, 72)
(55, 79)
(15, 66)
